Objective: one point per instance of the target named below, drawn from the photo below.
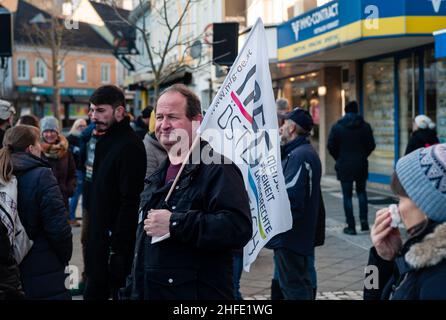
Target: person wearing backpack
(41, 209)
(10, 285)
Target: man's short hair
(282, 104)
(109, 94)
(193, 105)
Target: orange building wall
(93, 62)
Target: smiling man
(118, 166)
(208, 215)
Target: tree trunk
(156, 91)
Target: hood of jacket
(351, 120)
(23, 161)
(151, 139)
(430, 251)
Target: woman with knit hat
(416, 269)
(55, 151)
(423, 135)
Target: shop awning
(350, 30)
(440, 44)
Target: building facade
(380, 53)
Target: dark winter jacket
(74, 147)
(64, 170)
(302, 171)
(350, 143)
(117, 181)
(141, 129)
(43, 214)
(155, 153)
(417, 273)
(10, 285)
(211, 218)
(421, 138)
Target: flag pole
(194, 144)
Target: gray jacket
(155, 153)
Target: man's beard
(105, 126)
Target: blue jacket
(302, 171)
(42, 212)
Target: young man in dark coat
(207, 216)
(350, 143)
(117, 179)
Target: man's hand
(386, 240)
(157, 223)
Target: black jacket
(417, 273)
(74, 147)
(350, 143)
(10, 285)
(43, 214)
(118, 179)
(141, 129)
(211, 218)
(421, 138)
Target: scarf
(56, 150)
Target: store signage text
(316, 18)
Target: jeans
(347, 194)
(77, 193)
(294, 278)
(237, 264)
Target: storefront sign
(63, 91)
(440, 44)
(345, 21)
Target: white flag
(241, 124)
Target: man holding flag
(207, 214)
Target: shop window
(378, 79)
(409, 102)
(435, 92)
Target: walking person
(415, 270)
(41, 209)
(74, 146)
(294, 249)
(207, 216)
(350, 143)
(116, 165)
(56, 152)
(423, 135)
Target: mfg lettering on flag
(241, 124)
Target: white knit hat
(424, 122)
(6, 110)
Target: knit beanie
(424, 122)
(49, 123)
(422, 174)
(6, 109)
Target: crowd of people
(126, 177)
